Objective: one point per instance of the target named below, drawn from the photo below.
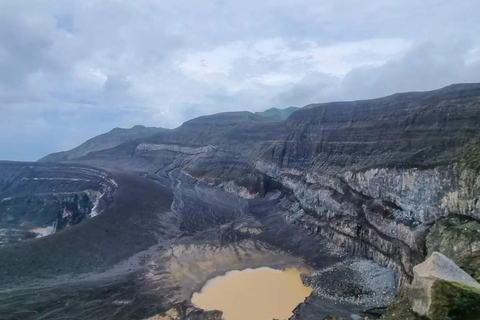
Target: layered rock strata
(372, 176)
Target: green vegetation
(400, 309)
(457, 237)
(274, 114)
(453, 300)
(470, 158)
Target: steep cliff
(38, 200)
(328, 186)
(371, 176)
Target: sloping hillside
(104, 141)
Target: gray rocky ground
(327, 187)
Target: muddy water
(254, 294)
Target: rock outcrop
(440, 289)
(457, 237)
(38, 200)
(371, 176)
(363, 178)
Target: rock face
(371, 176)
(113, 243)
(440, 289)
(457, 237)
(37, 200)
(331, 181)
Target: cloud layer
(71, 70)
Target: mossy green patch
(471, 156)
(401, 308)
(453, 300)
(457, 237)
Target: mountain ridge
(316, 131)
(333, 157)
(103, 141)
(367, 179)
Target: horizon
(151, 148)
(72, 72)
(234, 111)
(254, 112)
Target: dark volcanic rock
(129, 226)
(102, 142)
(360, 282)
(42, 199)
(364, 178)
(370, 175)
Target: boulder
(441, 290)
(457, 237)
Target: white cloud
(339, 59)
(275, 79)
(473, 55)
(219, 60)
(86, 66)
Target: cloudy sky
(70, 70)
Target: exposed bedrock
(147, 253)
(37, 200)
(440, 290)
(364, 178)
(384, 214)
(371, 176)
(93, 270)
(457, 237)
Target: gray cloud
(71, 70)
(427, 66)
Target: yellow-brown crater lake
(254, 294)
